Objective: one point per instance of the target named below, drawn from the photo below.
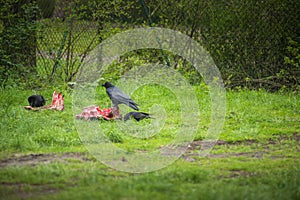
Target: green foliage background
(254, 43)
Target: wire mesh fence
(252, 42)
(63, 45)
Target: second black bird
(36, 100)
(136, 115)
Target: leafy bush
(248, 40)
(18, 42)
(253, 43)
(292, 61)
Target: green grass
(258, 160)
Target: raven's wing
(41, 100)
(36, 100)
(31, 101)
(127, 116)
(141, 115)
(133, 105)
(119, 97)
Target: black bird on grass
(136, 115)
(118, 97)
(36, 100)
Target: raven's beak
(103, 84)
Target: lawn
(256, 156)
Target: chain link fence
(253, 43)
(63, 44)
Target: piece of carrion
(37, 102)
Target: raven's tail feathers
(133, 105)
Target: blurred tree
(46, 7)
(18, 39)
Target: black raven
(36, 100)
(118, 97)
(136, 115)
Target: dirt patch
(238, 173)
(195, 146)
(191, 152)
(295, 136)
(34, 159)
(258, 155)
(21, 189)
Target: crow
(36, 100)
(136, 115)
(118, 97)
